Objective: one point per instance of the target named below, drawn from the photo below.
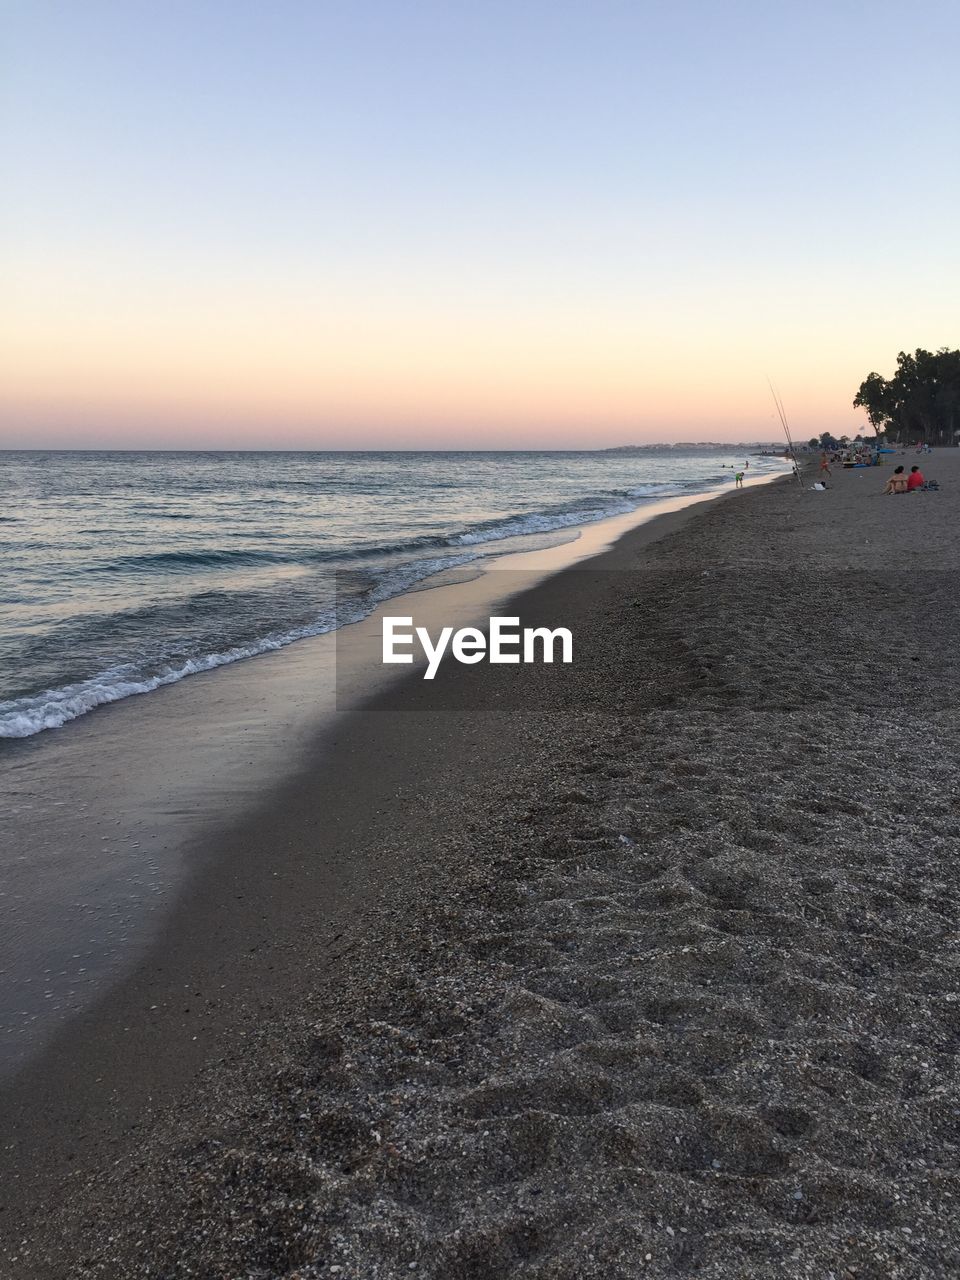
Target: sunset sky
(536, 223)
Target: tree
(814, 442)
(875, 397)
(922, 399)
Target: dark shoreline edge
(229, 955)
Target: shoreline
(224, 855)
(30, 714)
(116, 808)
(606, 798)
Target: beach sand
(641, 967)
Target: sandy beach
(641, 967)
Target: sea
(125, 571)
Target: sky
(507, 224)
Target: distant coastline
(684, 446)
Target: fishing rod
(786, 431)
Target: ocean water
(121, 572)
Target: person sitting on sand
(915, 479)
(897, 482)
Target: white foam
(24, 717)
(547, 522)
(55, 707)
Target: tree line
(920, 402)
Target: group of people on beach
(900, 482)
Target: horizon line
(616, 448)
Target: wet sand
(645, 966)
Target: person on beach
(897, 482)
(915, 479)
(824, 465)
(738, 477)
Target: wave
(563, 517)
(172, 561)
(614, 502)
(53, 708)
(25, 716)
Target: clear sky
(295, 223)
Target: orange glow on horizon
(405, 377)
(432, 226)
